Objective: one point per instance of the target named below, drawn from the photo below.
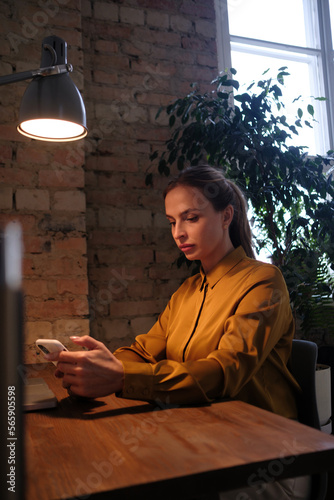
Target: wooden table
(138, 450)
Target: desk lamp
(52, 108)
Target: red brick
(114, 62)
(27, 222)
(17, 177)
(36, 287)
(202, 9)
(72, 244)
(74, 286)
(109, 163)
(105, 77)
(6, 198)
(6, 152)
(158, 37)
(72, 37)
(30, 154)
(98, 238)
(208, 60)
(196, 73)
(154, 99)
(114, 198)
(106, 46)
(51, 309)
(49, 266)
(193, 43)
(69, 201)
(101, 276)
(124, 256)
(32, 199)
(143, 290)
(107, 30)
(70, 157)
(36, 244)
(61, 178)
(9, 133)
(155, 134)
(168, 5)
(106, 11)
(68, 19)
(179, 55)
(106, 94)
(132, 16)
(8, 111)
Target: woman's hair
(220, 192)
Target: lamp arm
(26, 75)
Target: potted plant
(290, 194)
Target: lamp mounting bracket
(26, 75)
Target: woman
(225, 333)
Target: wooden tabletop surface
(139, 450)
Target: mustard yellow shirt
(227, 334)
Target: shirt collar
(223, 267)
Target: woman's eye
(192, 219)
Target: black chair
(302, 365)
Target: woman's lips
(186, 248)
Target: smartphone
(46, 346)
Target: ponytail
(240, 231)
(220, 192)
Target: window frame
(325, 53)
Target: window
(258, 35)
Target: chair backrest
(302, 365)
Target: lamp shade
(52, 108)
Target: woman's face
(197, 228)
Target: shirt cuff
(138, 381)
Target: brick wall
(39, 187)
(96, 241)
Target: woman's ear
(227, 216)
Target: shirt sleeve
(261, 329)
(150, 376)
(249, 336)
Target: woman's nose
(179, 231)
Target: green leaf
(300, 112)
(149, 180)
(172, 156)
(162, 166)
(172, 120)
(180, 162)
(231, 83)
(310, 109)
(277, 91)
(181, 109)
(223, 95)
(159, 112)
